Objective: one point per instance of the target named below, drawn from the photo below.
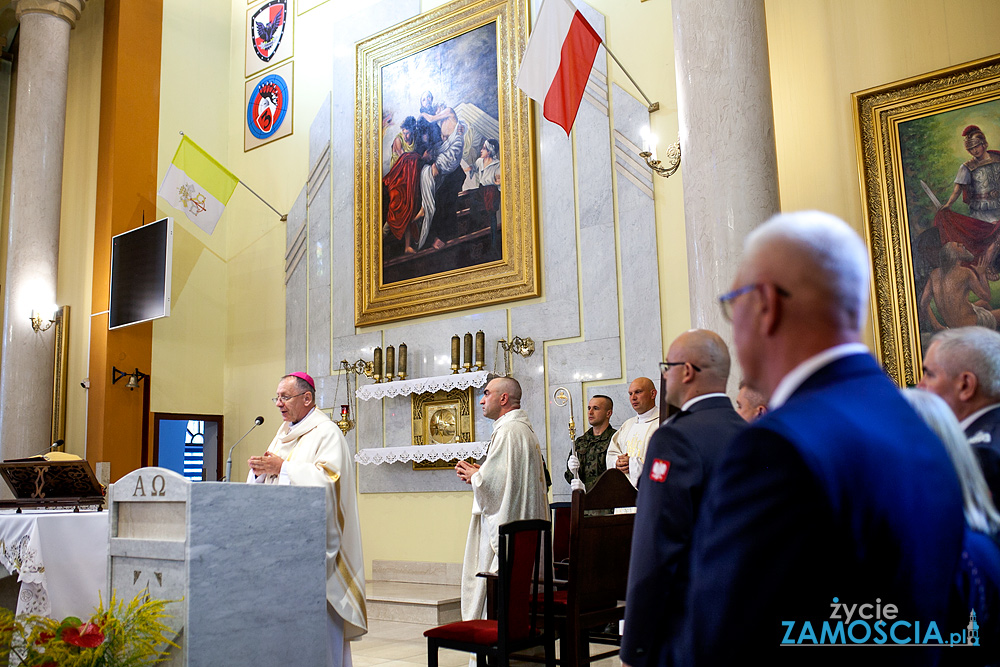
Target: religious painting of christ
(445, 200)
(931, 184)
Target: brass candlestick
(402, 361)
(480, 350)
(455, 343)
(467, 364)
(377, 363)
(390, 363)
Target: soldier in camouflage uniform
(592, 446)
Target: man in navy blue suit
(962, 366)
(679, 462)
(836, 503)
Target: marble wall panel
(637, 236)
(370, 427)
(558, 232)
(328, 394)
(296, 287)
(600, 282)
(319, 132)
(318, 206)
(586, 361)
(619, 395)
(378, 17)
(354, 347)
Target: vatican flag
(198, 185)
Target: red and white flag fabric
(558, 60)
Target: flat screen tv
(140, 273)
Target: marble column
(26, 358)
(729, 166)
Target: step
(409, 602)
(417, 572)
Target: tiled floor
(395, 644)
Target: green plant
(119, 635)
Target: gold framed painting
(442, 418)
(444, 196)
(931, 191)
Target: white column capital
(70, 10)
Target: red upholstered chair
(525, 557)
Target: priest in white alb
(508, 486)
(627, 449)
(310, 450)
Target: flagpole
(650, 106)
(284, 216)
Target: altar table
(60, 559)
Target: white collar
(648, 415)
(798, 375)
(505, 417)
(715, 394)
(292, 425)
(968, 421)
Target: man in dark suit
(837, 502)
(679, 462)
(962, 366)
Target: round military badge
(268, 106)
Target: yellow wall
(821, 51)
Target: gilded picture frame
(930, 220)
(444, 198)
(440, 418)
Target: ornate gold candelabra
(673, 158)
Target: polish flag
(558, 60)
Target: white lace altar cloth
(459, 450)
(422, 385)
(60, 558)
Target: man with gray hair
(508, 486)
(840, 495)
(962, 366)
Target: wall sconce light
(133, 378)
(40, 322)
(648, 154)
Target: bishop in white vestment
(310, 450)
(509, 486)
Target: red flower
(87, 635)
(44, 637)
(50, 663)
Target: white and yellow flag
(198, 185)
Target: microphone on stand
(229, 461)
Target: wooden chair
(525, 557)
(600, 544)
